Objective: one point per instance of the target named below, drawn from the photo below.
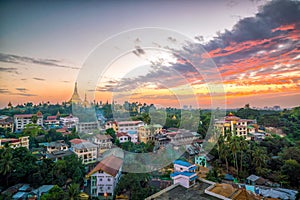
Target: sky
(251, 48)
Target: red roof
(120, 134)
(51, 118)
(77, 141)
(23, 115)
(110, 165)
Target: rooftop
(178, 192)
(103, 137)
(183, 163)
(110, 165)
(84, 145)
(77, 141)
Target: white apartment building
(126, 126)
(69, 121)
(105, 176)
(87, 127)
(21, 120)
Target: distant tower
(75, 97)
(9, 105)
(85, 103)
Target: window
(108, 179)
(108, 188)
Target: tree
(6, 163)
(56, 193)
(292, 169)
(234, 146)
(73, 191)
(243, 146)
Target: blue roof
(192, 168)
(193, 178)
(131, 132)
(229, 177)
(185, 173)
(183, 163)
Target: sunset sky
(254, 45)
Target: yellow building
(146, 133)
(234, 125)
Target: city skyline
(253, 44)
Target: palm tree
(6, 163)
(259, 157)
(235, 147)
(224, 154)
(243, 146)
(73, 191)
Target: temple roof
(75, 96)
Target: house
(37, 193)
(21, 120)
(85, 150)
(102, 141)
(123, 137)
(6, 122)
(59, 145)
(184, 173)
(105, 176)
(255, 180)
(200, 160)
(15, 142)
(133, 135)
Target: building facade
(21, 120)
(105, 176)
(184, 173)
(85, 150)
(147, 133)
(15, 142)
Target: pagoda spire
(75, 97)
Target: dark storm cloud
(270, 16)
(15, 59)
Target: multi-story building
(52, 122)
(147, 133)
(69, 121)
(105, 176)
(133, 136)
(184, 173)
(85, 150)
(112, 124)
(15, 142)
(59, 145)
(234, 125)
(6, 122)
(21, 120)
(126, 126)
(87, 127)
(102, 141)
(182, 137)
